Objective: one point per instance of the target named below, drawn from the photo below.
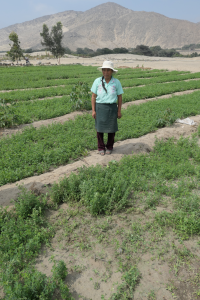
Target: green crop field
(146, 205)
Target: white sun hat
(107, 64)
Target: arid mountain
(107, 25)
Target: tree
(53, 40)
(142, 50)
(85, 51)
(80, 51)
(104, 51)
(155, 50)
(15, 52)
(68, 51)
(120, 50)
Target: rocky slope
(107, 25)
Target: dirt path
(137, 145)
(71, 116)
(30, 89)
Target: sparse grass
(138, 227)
(23, 230)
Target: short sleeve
(119, 88)
(94, 87)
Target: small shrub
(59, 270)
(7, 116)
(32, 284)
(80, 96)
(199, 130)
(27, 201)
(126, 290)
(165, 118)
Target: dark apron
(106, 118)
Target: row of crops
(21, 82)
(35, 151)
(24, 229)
(58, 90)
(33, 104)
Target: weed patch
(22, 232)
(103, 190)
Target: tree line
(191, 47)
(52, 41)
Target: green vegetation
(80, 97)
(144, 204)
(59, 143)
(191, 47)
(8, 117)
(23, 230)
(148, 91)
(158, 90)
(15, 52)
(46, 79)
(53, 41)
(168, 176)
(22, 111)
(103, 190)
(139, 50)
(35, 94)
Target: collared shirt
(114, 89)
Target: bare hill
(107, 25)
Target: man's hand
(119, 115)
(94, 114)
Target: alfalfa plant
(165, 118)
(80, 96)
(7, 116)
(130, 279)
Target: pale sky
(19, 11)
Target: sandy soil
(131, 60)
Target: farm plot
(118, 228)
(126, 82)
(25, 111)
(59, 143)
(10, 82)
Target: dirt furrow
(30, 89)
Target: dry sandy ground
(131, 60)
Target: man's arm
(93, 101)
(119, 115)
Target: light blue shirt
(114, 89)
